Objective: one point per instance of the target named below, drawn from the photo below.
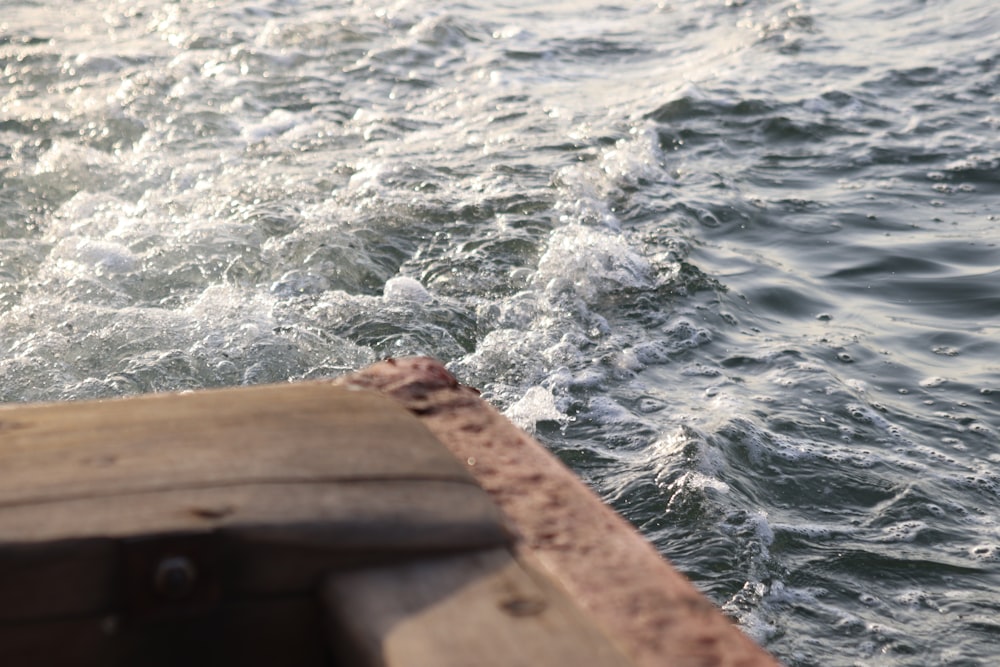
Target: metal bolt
(175, 577)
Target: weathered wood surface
(296, 433)
(482, 608)
(271, 489)
(264, 490)
(361, 514)
(307, 462)
(648, 608)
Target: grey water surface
(734, 261)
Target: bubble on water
(298, 282)
(747, 607)
(635, 160)
(605, 410)
(912, 597)
(589, 263)
(275, 123)
(937, 510)
(869, 600)
(700, 370)
(860, 414)
(808, 595)
(72, 160)
(857, 385)
(81, 257)
(763, 531)
(810, 367)
(904, 531)
(648, 405)
(979, 428)
(699, 482)
(932, 382)
(987, 552)
(537, 404)
(407, 290)
(505, 360)
(368, 175)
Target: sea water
(735, 261)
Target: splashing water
(735, 262)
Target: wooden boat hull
(389, 517)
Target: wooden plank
(272, 434)
(284, 482)
(481, 609)
(649, 609)
(403, 515)
(276, 540)
(232, 464)
(288, 455)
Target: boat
(390, 517)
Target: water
(735, 262)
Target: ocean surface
(735, 261)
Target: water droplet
(859, 415)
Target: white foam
(986, 552)
(636, 159)
(403, 289)
(83, 257)
(904, 531)
(605, 410)
(276, 123)
(696, 481)
(538, 404)
(588, 262)
(69, 159)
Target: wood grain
(482, 609)
(285, 482)
(283, 433)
